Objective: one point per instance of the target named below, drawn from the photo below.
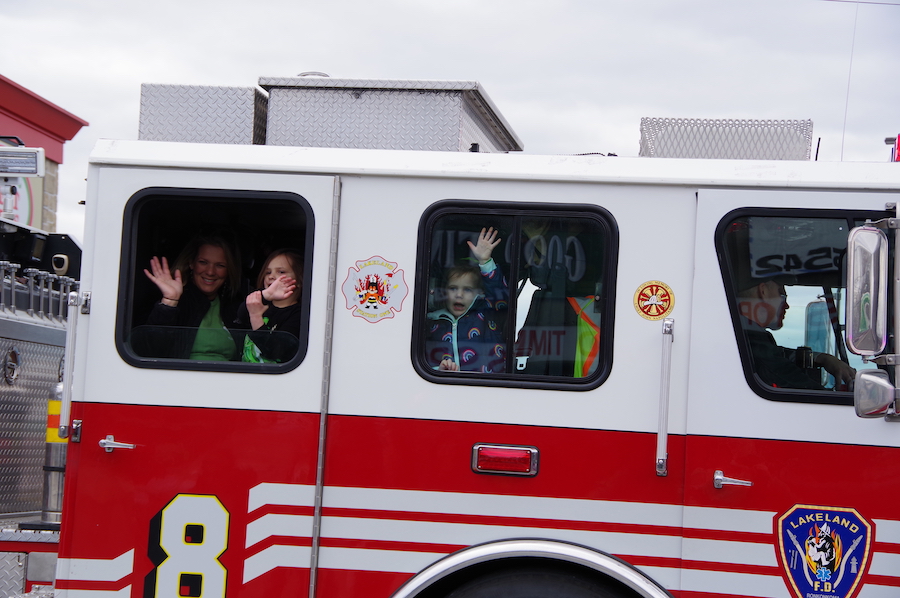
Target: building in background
(37, 123)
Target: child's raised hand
(280, 289)
(487, 242)
(448, 365)
(255, 304)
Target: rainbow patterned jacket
(475, 339)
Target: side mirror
(867, 263)
(873, 393)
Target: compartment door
(211, 491)
(788, 430)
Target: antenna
(852, 47)
(849, 77)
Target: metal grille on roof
(732, 139)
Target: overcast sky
(570, 76)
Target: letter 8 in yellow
(193, 533)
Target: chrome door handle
(109, 443)
(662, 432)
(720, 480)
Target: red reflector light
(511, 460)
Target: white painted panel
(654, 224)
(118, 382)
(715, 362)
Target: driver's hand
(841, 370)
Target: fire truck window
(516, 298)
(558, 304)
(468, 301)
(787, 282)
(222, 244)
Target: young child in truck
(273, 313)
(464, 334)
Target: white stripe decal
(885, 563)
(729, 520)
(536, 507)
(729, 551)
(873, 591)
(96, 569)
(360, 559)
(637, 543)
(123, 593)
(887, 531)
(295, 495)
(745, 584)
(462, 534)
(297, 526)
(296, 557)
(667, 577)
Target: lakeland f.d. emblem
(374, 289)
(824, 550)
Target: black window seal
(788, 395)
(506, 209)
(128, 270)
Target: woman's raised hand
(159, 273)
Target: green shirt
(213, 341)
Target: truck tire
(540, 582)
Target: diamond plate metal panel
(384, 114)
(386, 84)
(726, 138)
(23, 423)
(474, 129)
(27, 535)
(12, 573)
(364, 118)
(325, 112)
(202, 114)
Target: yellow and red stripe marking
(53, 409)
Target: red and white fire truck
(655, 403)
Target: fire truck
(652, 396)
(38, 270)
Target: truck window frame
(766, 391)
(263, 204)
(609, 241)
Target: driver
(762, 307)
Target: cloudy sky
(570, 76)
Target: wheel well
(449, 583)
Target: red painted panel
(281, 581)
(179, 451)
(785, 473)
(437, 455)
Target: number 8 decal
(193, 533)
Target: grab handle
(662, 435)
